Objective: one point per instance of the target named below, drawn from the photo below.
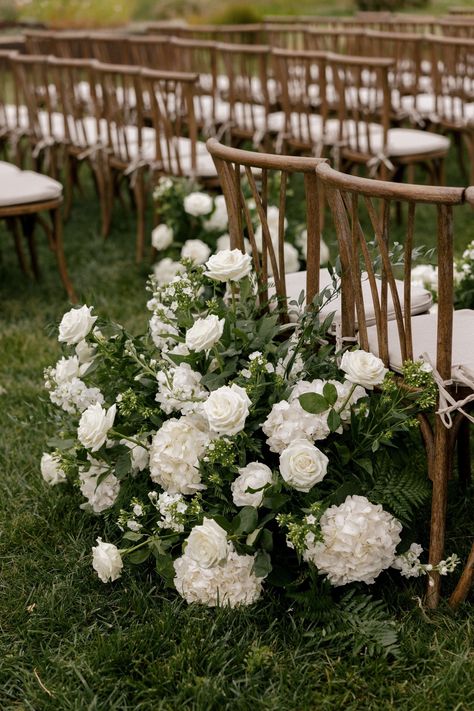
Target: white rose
(106, 561)
(362, 368)
(94, 424)
(229, 265)
(85, 352)
(254, 476)
(196, 250)
(166, 269)
(76, 324)
(219, 218)
(66, 369)
(197, 204)
(162, 237)
(302, 465)
(223, 243)
(227, 409)
(204, 333)
(99, 486)
(51, 470)
(207, 544)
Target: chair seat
(24, 186)
(7, 170)
(424, 340)
(421, 299)
(14, 117)
(401, 142)
(450, 108)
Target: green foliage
(79, 13)
(237, 14)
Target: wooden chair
(445, 339)
(340, 41)
(110, 48)
(24, 197)
(14, 121)
(151, 51)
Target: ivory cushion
(424, 333)
(25, 186)
(7, 170)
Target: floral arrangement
(184, 209)
(464, 279)
(228, 458)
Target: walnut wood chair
(14, 122)
(340, 41)
(151, 51)
(286, 36)
(446, 339)
(24, 198)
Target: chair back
(362, 215)
(110, 48)
(341, 41)
(151, 51)
(453, 79)
(244, 174)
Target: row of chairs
(383, 313)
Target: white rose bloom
(85, 352)
(196, 250)
(106, 561)
(273, 216)
(179, 389)
(359, 542)
(273, 236)
(174, 455)
(76, 324)
(162, 237)
(231, 584)
(227, 409)
(425, 275)
(139, 455)
(99, 496)
(66, 369)
(223, 243)
(254, 476)
(204, 333)
(165, 270)
(197, 204)
(219, 219)
(51, 470)
(362, 368)
(229, 265)
(94, 425)
(207, 544)
(302, 465)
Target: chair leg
(14, 226)
(441, 465)
(464, 453)
(461, 590)
(140, 201)
(69, 187)
(59, 249)
(29, 224)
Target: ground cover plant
(69, 642)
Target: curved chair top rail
(447, 39)
(166, 74)
(193, 43)
(386, 34)
(431, 194)
(356, 31)
(299, 53)
(243, 48)
(291, 164)
(348, 59)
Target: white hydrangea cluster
(219, 218)
(179, 389)
(172, 508)
(174, 455)
(359, 540)
(196, 250)
(100, 495)
(66, 389)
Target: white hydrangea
(292, 262)
(344, 401)
(174, 455)
(198, 204)
(166, 269)
(233, 583)
(196, 250)
(172, 508)
(359, 540)
(219, 219)
(67, 390)
(162, 237)
(162, 327)
(179, 389)
(223, 243)
(100, 496)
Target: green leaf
(246, 520)
(140, 556)
(165, 569)
(334, 420)
(123, 465)
(132, 536)
(262, 565)
(266, 540)
(313, 403)
(61, 444)
(330, 393)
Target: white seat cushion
(14, 117)
(452, 109)
(7, 170)
(25, 186)
(424, 340)
(421, 299)
(401, 142)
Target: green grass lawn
(69, 642)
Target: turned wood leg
(14, 225)
(59, 249)
(29, 223)
(464, 453)
(465, 582)
(140, 202)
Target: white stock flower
(179, 389)
(254, 476)
(166, 269)
(232, 583)
(172, 508)
(204, 333)
(163, 328)
(100, 496)
(94, 425)
(359, 542)
(363, 368)
(197, 204)
(207, 544)
(227, 409)
(219, 219)
(106, 561)
(196, 250)
(228, 265)
(51, 470)
(302, 465)
(76, 324)
(409, 563)
(162, 237)
(174, 455)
